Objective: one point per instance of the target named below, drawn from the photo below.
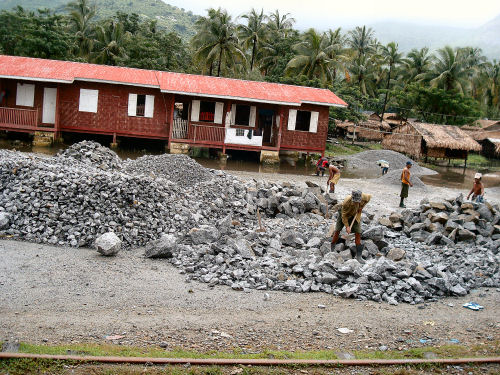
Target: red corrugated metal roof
(196, 85)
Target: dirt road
(64, 295)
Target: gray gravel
(366, 160)
(210, 221)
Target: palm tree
(489, 84)
(111, 38)
(361, 41)
(281, 24)
(337, 56)
(312, 57)
(417, 62)
(391, 58)
(216, 41)
(81, 14)
(254, 34)
(449, 72)
(475, 62)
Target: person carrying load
(384, 165)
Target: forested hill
(169, 17)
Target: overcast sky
(330, 14)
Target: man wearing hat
(477, 190)
(350, 218)
(405, 183)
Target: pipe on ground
(253, 362)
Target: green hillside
(169, 17)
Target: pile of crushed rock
(93, 154)
(366, 163)
(206, 223)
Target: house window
(141, 105)
(242, 115)
(207, 111)
(240, 132)
(25, 95)
(303, 121)
(88, 100)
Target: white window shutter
(253, 111)
(313, 125)
(132, 104)
(195, 110)
(292, 119)
(25, 95)
(233, 114)
(219, 109)
(149, 109)
(88, 100)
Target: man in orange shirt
(405, 183)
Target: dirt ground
(65, 295)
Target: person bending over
(333, 178)
(350, 218)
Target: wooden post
(57, 125)
(280, 128)
(465, 164)
(170, 121)
(354, 134)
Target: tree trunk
(253, 54)
(386, 93)
(211, 68)
(220, 63)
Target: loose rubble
(205, 223)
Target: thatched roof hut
(393, 119)
(370, 130)
(491, 147)
(438, 141)
(490, 131)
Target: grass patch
(28, 366)
(346, 148)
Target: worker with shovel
(350, 217)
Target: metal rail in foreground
(253, 362)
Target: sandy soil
(64, 295)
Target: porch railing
(180, 130)
(207, 133)
(19, 117)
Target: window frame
(25, 94)
(90, 102)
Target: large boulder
(4, 220)
(205, 234)
(288, 238)
(108, 244)
(396, 254)
(375, 233)
(164, 247)
(485, 212)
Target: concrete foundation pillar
(269, 157)
(179, 148)
(43, 139)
